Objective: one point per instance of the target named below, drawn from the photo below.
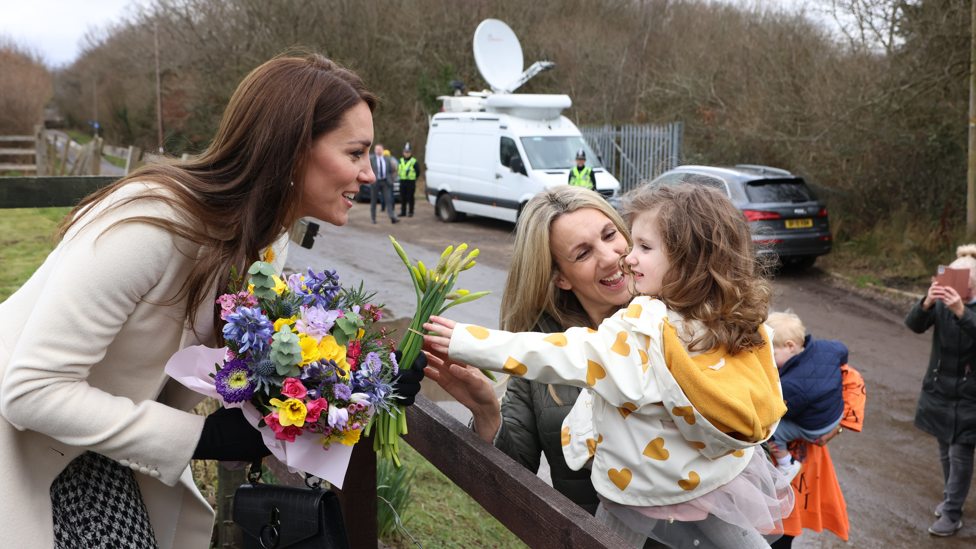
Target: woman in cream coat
(84, 342)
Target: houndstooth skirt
(96, 504)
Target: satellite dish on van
(498, 54)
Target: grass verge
(25, 241)
(80, 138)
(901, 252)
(444, 516)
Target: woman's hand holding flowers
(227, 436)
(407, 381)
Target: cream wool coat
(634, 420)
(83, 345)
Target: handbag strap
(254, 473)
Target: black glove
(227, 436)
(407, 382)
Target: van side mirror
(516, 165)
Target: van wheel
(445, 209)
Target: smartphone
(958, 279)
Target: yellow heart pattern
(655, 450)
(514, 367)
(620, 346)
(697, 445)
(620, 478)
(644, 361)
(739, 453)
(691, 483)
(685, 411)
(591, 330)
(634, 311)
(559, 340)
(565, 436)
(478, 332)
(626, 409)
(591, 444)
(594, 372)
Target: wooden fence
(540, 516)
(44, 152)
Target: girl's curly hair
(714, 275)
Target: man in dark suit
(385, 170)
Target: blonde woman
(564, 273)
(947, 405)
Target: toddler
(682, 384)
(813, 388)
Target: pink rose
(282, 433)
(293, 388)
(314, 408)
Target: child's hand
(444, 328)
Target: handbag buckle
(270, 537)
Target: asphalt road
(890, 473)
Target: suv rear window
(779, 190)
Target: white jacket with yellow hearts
(647, 433)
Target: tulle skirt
(755, 502)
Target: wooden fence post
(358, 496)
(40, 148)
(229, 535)
(64, 155)
(132, 158)
(96, 167)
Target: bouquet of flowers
(303, 361)
(433, 287)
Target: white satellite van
(488, 153)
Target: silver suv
(784, 215)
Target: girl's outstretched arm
(444, 327)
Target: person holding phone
(947, 405)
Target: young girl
(682, 383)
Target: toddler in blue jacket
(810, 371)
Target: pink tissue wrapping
(192, 367)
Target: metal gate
(636, 154)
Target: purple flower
(342, 391)
(320, 288)
(373, 362)
(249, 328)
(316, 322)
(295, 283)
(234, 383)
(393, 361)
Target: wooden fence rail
(540, 516)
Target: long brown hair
(244, 191)
(713, 275)
(531, 287)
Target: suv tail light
(822, 212)
(756, 215)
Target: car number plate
(799, 223)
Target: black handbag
(273, 516)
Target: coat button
(154, 473)
(124, 462)
(134, 466)
(144, 470)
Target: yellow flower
(284, 321)
(310, 349)
(269, 255)
(279, 286)
(352, 437)
(360, 333)
(329, 349)
(290, 412)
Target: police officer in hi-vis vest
(582, 175)
(408, 171)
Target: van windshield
(557, 152)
